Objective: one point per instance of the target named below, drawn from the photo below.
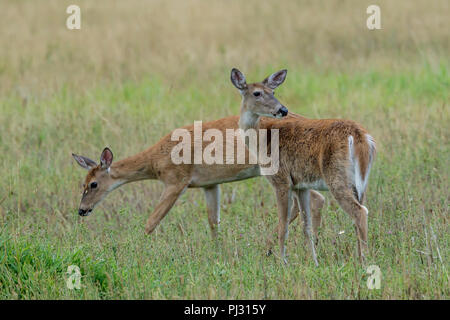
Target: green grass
(41, 234)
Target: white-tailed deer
(156, 163)
(325, 154)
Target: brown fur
(316, 145)
(312, 153)
(155, 163)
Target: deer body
(326, 154)
(156, 163)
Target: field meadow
(137, 70)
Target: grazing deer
(156, 163)
(325, 154)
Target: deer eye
(257, 93)
(93, 185)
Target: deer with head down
(156, 163)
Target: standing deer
(156, 163)
(325, 154)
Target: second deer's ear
(238, 79)
(106, 158)
(274, 80)
(84, 162)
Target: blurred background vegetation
(196, 40)
(138, 69)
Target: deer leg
(294, 215)
(363, 197)
(317, 202)
(212, 195)
(295, 210)
(284, 201)
(303, 197)
(168, 198)
(358, 212)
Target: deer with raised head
(325, 154)
(156, 163)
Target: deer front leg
(317, 201)
(212, 195)
(295, 210)
(284, 201)
(168, 198)
(294, 214)
(303, 196)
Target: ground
(134, 72)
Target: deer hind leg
(303, 197)
(212, 195)
(341, 188)
(363, 197)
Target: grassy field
(136, 70)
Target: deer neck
(134, 168)
(248, 119)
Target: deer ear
(106, 158)
(274, 80)
(84, 162)
(238, 79)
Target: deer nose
(283, 111)
(83, 212)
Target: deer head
(98, 182)
(258, 98)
